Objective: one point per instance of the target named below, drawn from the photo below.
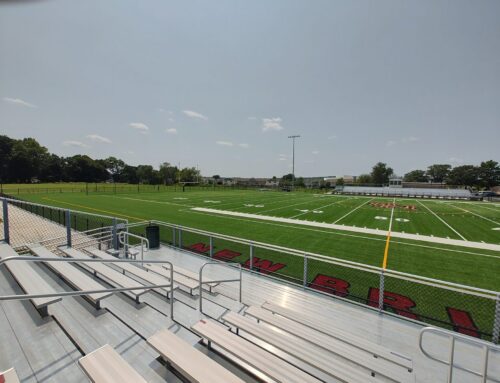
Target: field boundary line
(352, 211)
(443, 221)
(397, 234)
(477, 215)
(113, 214)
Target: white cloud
(273, 123)
(224, 143)
(18, 101)
(410, 139)
(171, 131)
(332, 137)
(315, 152)
(195, 115)
(76, 144)
(243, 146)
(98, 138)
(143, 128)
(390, 143)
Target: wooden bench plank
(29, 279)
(254, 356)
(191, 363)
(116, 278)
(9, 376)
(334, 345)
(326, 328)
(151, 278)
(73, 276)
(105, 365)
(300, 349)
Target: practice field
(470, 221)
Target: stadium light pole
(293, 158)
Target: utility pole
(293, 158)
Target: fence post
(173, 236)
(6, 232)
(305, 272)
(251, 257)
(115, 235)
(211, 247)
(496, 322)
(68, 228)
(180, 238)
(381, 292)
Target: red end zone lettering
(462, 322)
(397, 302)
(199, 247)
(226, 255)
(330, 285)
(264, 266)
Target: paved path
(394, 234)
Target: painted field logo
(391, 205)
(460, 320)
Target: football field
(257, 216)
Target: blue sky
(221, 84)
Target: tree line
(484, 176)
(26, 161)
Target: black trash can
(153, 236)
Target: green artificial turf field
(459, 220)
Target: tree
(168, 173)
(380, 173)
(438, 172)
(83, 168)
(114, 166)
(6, 145)
(489, 174)
(340, 182)
(286, 180)
(364, 179)
(465, 175)
(415, 176)
(129, 175)
(190, 175)
(145, 174)
(27, 156)
(52, 170)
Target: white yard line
(443, 221)
(477, 215)
(415, 237)
(287, 206)
(353, 210)
(392, 215)
(154, 201)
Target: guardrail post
(115, 237)
(304, 283)
(180, 238)
(173, 236)
(211, 247)
(251, 257)
(6, 231)
(496, 323)
(68, 228)
(381, 292)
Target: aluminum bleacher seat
(29, 279)
(9, 376)
(150, 278)
(112, 276)
(247, 354)
(188, 361)
(105, 365)
(321, 358)
(75, 277)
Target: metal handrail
(230, 265)
(487, 347)
(87, 292)
(123, 237)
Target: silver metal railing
(87, 292)
(123, 238)
(231, 266)
(450, 362)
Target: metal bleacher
(408, 192)
(277, 333)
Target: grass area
(473, 221)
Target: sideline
(415, 237)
